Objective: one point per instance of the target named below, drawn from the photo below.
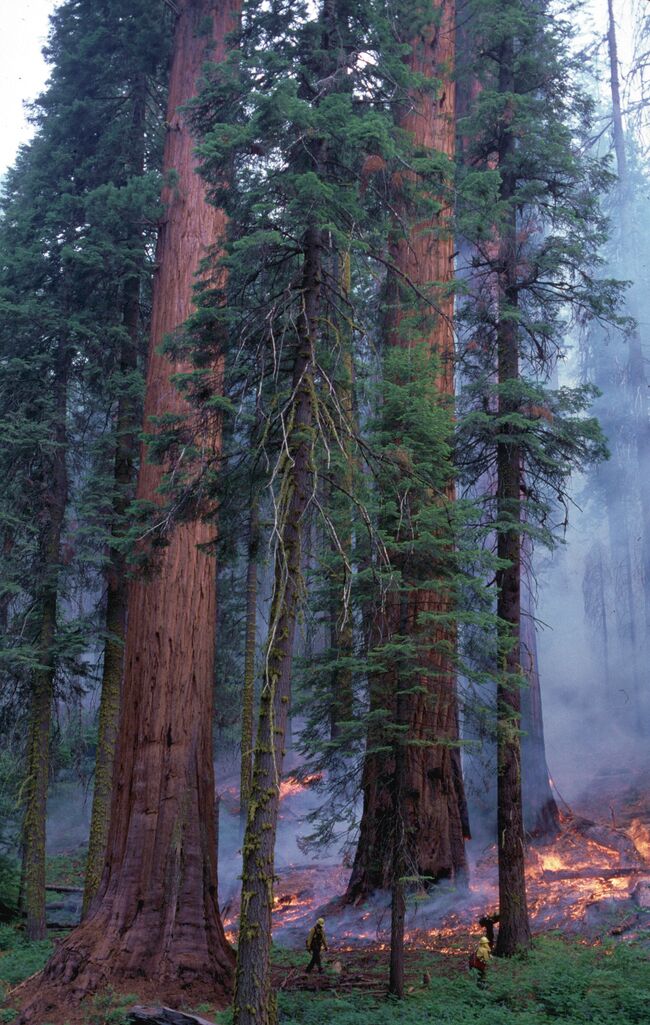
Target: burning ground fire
(589, 877)
(292, 787)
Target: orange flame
(291, 787)
(640, 834)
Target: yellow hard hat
(320, 921)
(484, 941)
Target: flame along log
(550, 876)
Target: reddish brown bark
(155, 915)
(433, 803)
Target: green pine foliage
(257, 118)
(527, 177)
(78, 221)
(554, 193)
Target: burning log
(551, 876)
(608, 837)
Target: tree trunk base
(89, 962)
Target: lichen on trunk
(42, 684)
(248, 691)
(254, 1000)
(514, 927)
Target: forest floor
(589, 897)
(563, 981)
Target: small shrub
(8, 937)
(22, 960)
(110, 1008)
(9, 885)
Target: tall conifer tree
(534, 256)
(420, 314)
(156, 912)
(67, 268)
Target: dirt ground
(346, 970)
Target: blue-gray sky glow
(23, 72)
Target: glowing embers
(586, 865)
(640, 834)
(299, 891)
(592, 878)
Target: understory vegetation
(559, 981)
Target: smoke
(296, 804)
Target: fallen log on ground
(165, 1016)
(64, 889)
(559, 875)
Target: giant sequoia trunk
(116, 583)
(514, 928)
(254, 1001)
(155, 915)
(435, 810)
(55, 487)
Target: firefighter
(480, 960)
(315, 943)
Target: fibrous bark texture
(434, 804)
(155, 914)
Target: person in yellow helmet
(480, 959)
(315, 943)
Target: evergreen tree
(61, 233)
(156, 907)
(534, 223)
(419, 311)
(303, 150)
